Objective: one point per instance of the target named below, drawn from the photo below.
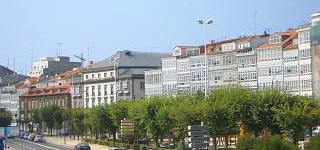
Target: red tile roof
(291, 33)
(62, 89)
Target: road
(20, 144)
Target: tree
(117, 111)
(78, 123)
(58, 119)
(47, 115)
(36, 118)
(5, 117)
(293, 115)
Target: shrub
(267, 143)
(313, 144)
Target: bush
(313, 144)
(268, 143)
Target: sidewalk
(70, 143)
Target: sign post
(198, 137)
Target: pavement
(70, 143)
(20, 144)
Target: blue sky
(30, 29)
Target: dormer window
(275, 39)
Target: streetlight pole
(205, 23)
(115, 77)
(276, 75)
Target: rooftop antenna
(255, 23)
(14, 65)
(88, 50)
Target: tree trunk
(310, 131)
(226, 141)
(114, 136)
(214, 142)
(86, 134)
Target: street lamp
(115, 77)
(205, 23)
(276, 75)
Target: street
(20, 144)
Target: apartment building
(120, 76)
(283, 60)
(50, 66)
(41, 97)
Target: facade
(153, 82)
(41, 97)
(120, 76)
(50, 66)
(283, 60)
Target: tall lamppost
(115, 77)
(205, 23)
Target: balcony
(98, 80)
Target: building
(284, 60)
(41, 97)
(5, 71)
(120, 76)
(153, 81)
(50, 66)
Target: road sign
(127, 127)
(198, 136)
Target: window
(141, 85)
(92, 76)
(111, 100)
(99, 101)
(275, 39)
(92, 91)
(105, 89)
(99, 75)
(87, 76)
(99, 90)
(87, 91)
(111, 74)
(111, 89)
(104, 75)
(93, 102)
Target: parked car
(39, 138)
(82, 146)
(31, 137)
(26, 136)
(116, 148)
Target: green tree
(293, 115)
(117, 112)
(5, 117)
(36, 118)
(78, 117)
(47, 115)
(58, 119)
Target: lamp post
(115, 77)
(205, 23)
(276, 75)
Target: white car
(316, 131)
(39, 138)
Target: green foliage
(5, 117)
(47, 115)
(293, 115)
(313, 144)
(267, 143)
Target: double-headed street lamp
(205, 23)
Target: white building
(121, 76)
(283, 60)
(153, 82)
(52, 66)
